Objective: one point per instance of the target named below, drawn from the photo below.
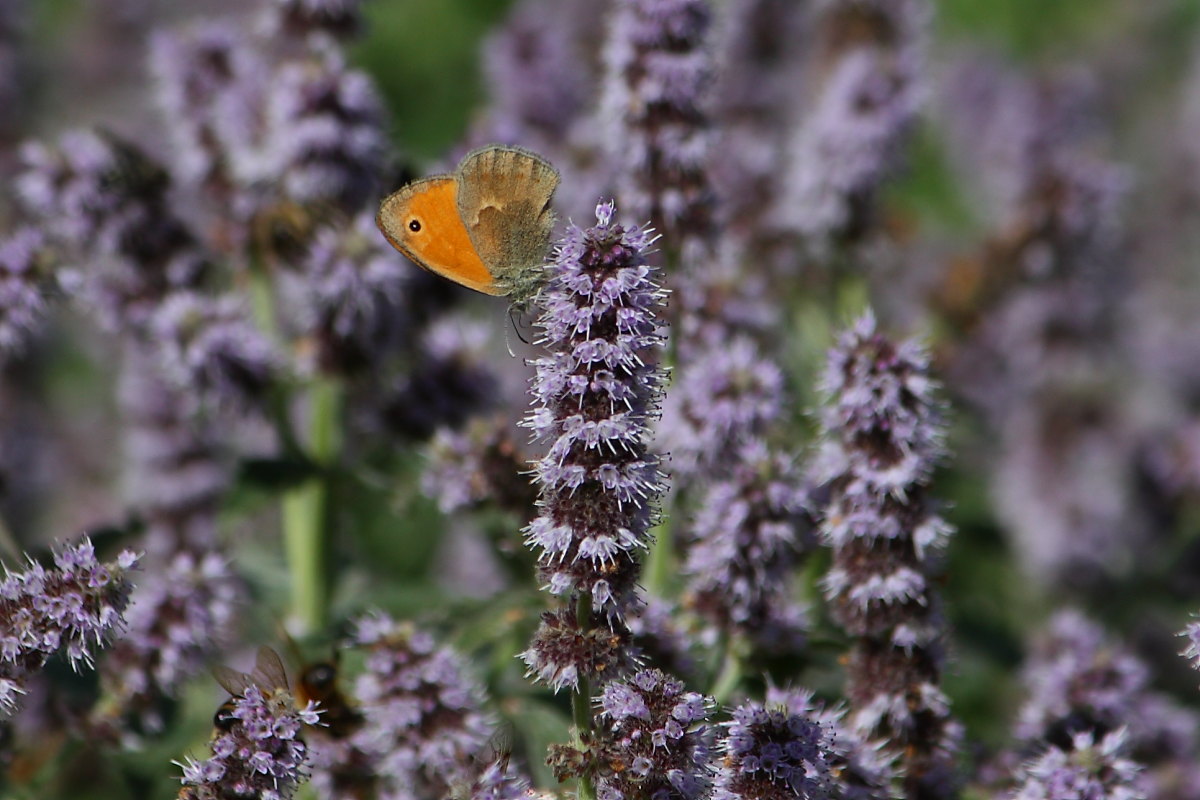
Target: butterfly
(487, 226)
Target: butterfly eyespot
(414, 225)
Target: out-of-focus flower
(423, 720)
(450, 379)
(661, 637)
(727, 395)
(1081, 682)
(23, 287)
(324, 138)
(195, 70)
(1043, 352)
(749, 534)
(305, 17)
(595, 394)
(659, 76)
(104, 204)
(883, 438)
(75, 606)
(481, 465)
(260, 753)
(1087, 769)
(209, 345)
(352, 294)
(848, 140)
(759, 54)
(533, 71)
(175, 470)
(176, 619)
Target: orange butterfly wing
(439, 242)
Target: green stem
(731, 672)
(581, 701)
(657, 573)
(306, 513)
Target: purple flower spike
(657, 86)
(726, 395)
(882, 440)
(655, 737)
(325, 132)
(423, 720)
(772, 754)
(74, 606)
(260, 755)
(595, 394)
(850, 136)
(198, 74)
(479, 466)
(351, 294)
(750, 533)
(209, 345)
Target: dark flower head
(770, 754)
(865, 769)
(728, 394)
(195, 71)
(562, 653)
(305, 17)
(324, 131)
(105, 205)
(659, 73)
(1079, 681)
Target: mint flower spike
(424, 724)
(657, 85)
(74, 606)
(883, 437)
(595, 395)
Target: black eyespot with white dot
(414, 225)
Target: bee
(268, 675)
(318, 682)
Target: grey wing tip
(507, 148)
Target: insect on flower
(318, 684)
